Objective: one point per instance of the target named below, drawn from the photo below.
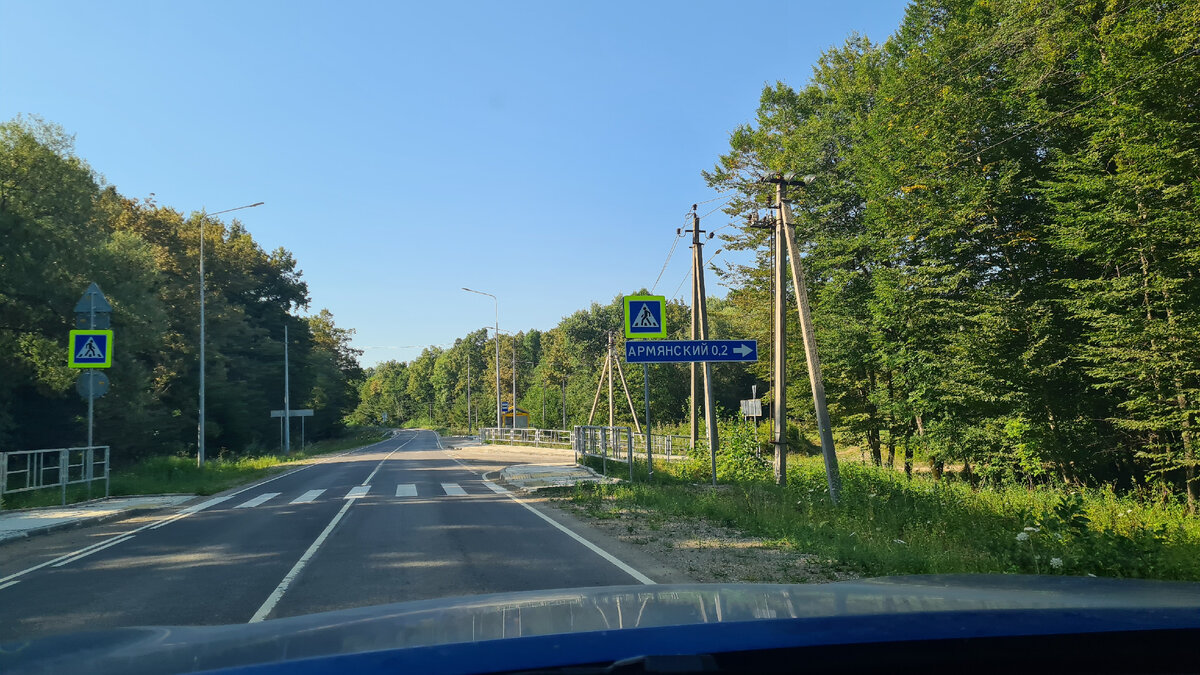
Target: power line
(718, 207)
(730, 195)
(689, 274)
(670, 253)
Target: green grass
(887, 524)
(179, 474)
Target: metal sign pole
(91, 378)
(646, 386)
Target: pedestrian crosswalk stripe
(257, 500)
(453, 489)
(494, 488)
(307, 497)
(406, 490)
(356, 492)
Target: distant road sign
(752, 407)
(645, 316)
(690, 351)
(91, 384)
(90, 349)
(504, 407)
(294, 413)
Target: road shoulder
(669, 550)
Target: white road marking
(206, 504)
(389, 456)
(406, 490)
(453, 489)
(307, 497)
(251, 503)
(98, 548)
(277, 594)
(358, 491)
(11, 583)
(567, 531)
(125, 536)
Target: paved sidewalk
(530, 477)
(27, 522)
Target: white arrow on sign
(742, 350)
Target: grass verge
(887, 524)
(179, 474)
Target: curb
(83, 522)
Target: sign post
(288, 414)
(90, 346)
(645, 317)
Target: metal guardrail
(26, 470)
(663, 446)
(607, 443)
(551, 438)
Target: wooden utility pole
(700, 331)
(786, 250)
(828, 451)
(692, 366)
(779, 359)
(606, 370)
(608, 362)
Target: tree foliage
(61, 227)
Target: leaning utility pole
(700, 329)
(785, 247)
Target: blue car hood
(505, 616)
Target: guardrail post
(88, 472)
(62, 473)
(629, 445)
(604, 449)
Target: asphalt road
(395, 521)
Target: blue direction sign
(90, 349)
(689, 351)
(504, 406)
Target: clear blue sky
(542, 151)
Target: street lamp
(200, 426)
(497, 301)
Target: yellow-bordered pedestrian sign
(645, 316)
(90, 349)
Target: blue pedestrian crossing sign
(90, 349)
(644, 316)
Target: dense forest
(1002, 245)
(62, 228)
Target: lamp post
(497, 301)
(200, 426)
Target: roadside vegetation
(888, 523)
(61, 228)
(1001, 252)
